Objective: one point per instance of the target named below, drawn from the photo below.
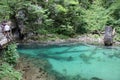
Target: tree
(96, 17)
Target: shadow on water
(70, 58)
(86, 58)
(67, 77)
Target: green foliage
(71, 2)
(60, 9)
(42, 31)
(9, 8)
(96, 17)
(115, 9)
(67, 13)
(8, 73)
(63, 16)
(85, 3)
(66, 30)
(37, 19)
(10, 54)
(4, 9)
(61, 36)
(117, 35)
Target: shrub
(10, 54)
(8, 73)
(96, 17)
(66, 30)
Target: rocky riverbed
(34, 69)
(31, 71)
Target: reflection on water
(78, 61)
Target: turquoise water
(88, 61)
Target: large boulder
(108, 37)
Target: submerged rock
(95, 78)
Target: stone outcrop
(108, 37)
(3, 39)
(5, 36)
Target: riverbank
(93, 39)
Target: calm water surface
(88, 61)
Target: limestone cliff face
(17, 31)
(18, 27)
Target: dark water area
(77, 61)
